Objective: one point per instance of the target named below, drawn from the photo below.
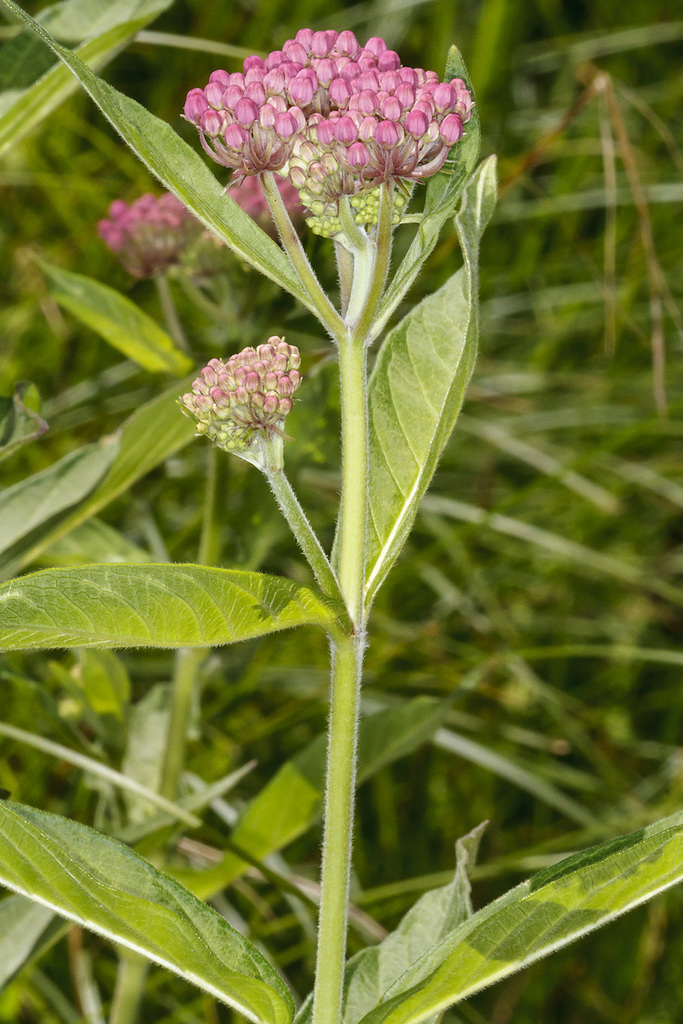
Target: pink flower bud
(274, 60)
(267, 115)
(444, 96)
(253, 62)
(376, 45)
(358, 156)
(305, 37)
(246, 112)
(221, 77)
(366, 130)
(274, 81)
(388, 134)
(211, 123)
(285, 406)
(347, 44)
(301, 90)
(254, 76)
(325, 71)
(405, 94)
(285, 125)
(271, 403)
(345, 131)
(416, 123)
(340, 91)
(295, 51)
(391, 109)
(319, 44)
(325, 132)
(451, 129)
(255, 92)
(388, 61)
(232, 95)
(195, 105)
(234, 136)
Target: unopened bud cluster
(245, 401)
(151, 234)
(334, 117)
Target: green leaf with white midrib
(538, 917)
(418, 386)
(151, 606)
(22, 110)
(118, 320)
(107, 888)
(180, 169)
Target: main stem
(347, 660)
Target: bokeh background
(543, 600)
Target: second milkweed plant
(350, 136)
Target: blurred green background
(542, 596)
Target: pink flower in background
(333, 117)
(151, 234)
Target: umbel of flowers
(241, 405)
(333, 117)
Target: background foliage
(540, 595)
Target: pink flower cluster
(334, 117)
(151, 234)
(246, 397)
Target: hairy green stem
(347, 657)
(380, 267)
(304, 533)
(327, 314)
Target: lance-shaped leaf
(35, 501)
(558, 905)
(151, 606)
(146, 439)
(418, 385)
(118, 320)
(107, 888)
(32, 95)
(443, 192)
(180, 169)
(293, 800)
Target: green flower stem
(380, 267)
(354, 497)
(327, 314)
(187, 663)
(345, 273)
(304, 533)
(347, 656)
(168, 307)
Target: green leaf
(23, 927)
(556, 906)
(443, 193)
(293, 799)
(109, 889)
(19, 419)
(22, 109)
(418, 386)
(151, 606)
(146, 439)
(118, 320)
(93, 541)
(372, 971)
(29, 505)
(180, 169)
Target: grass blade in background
(118, 320)
(33, 502)
(558, 905)
(145, 440)
(117, 22)
(293, 799)
(151, 606)
(23, 927)
(19, 420)
(418, 386)
(104, 886)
